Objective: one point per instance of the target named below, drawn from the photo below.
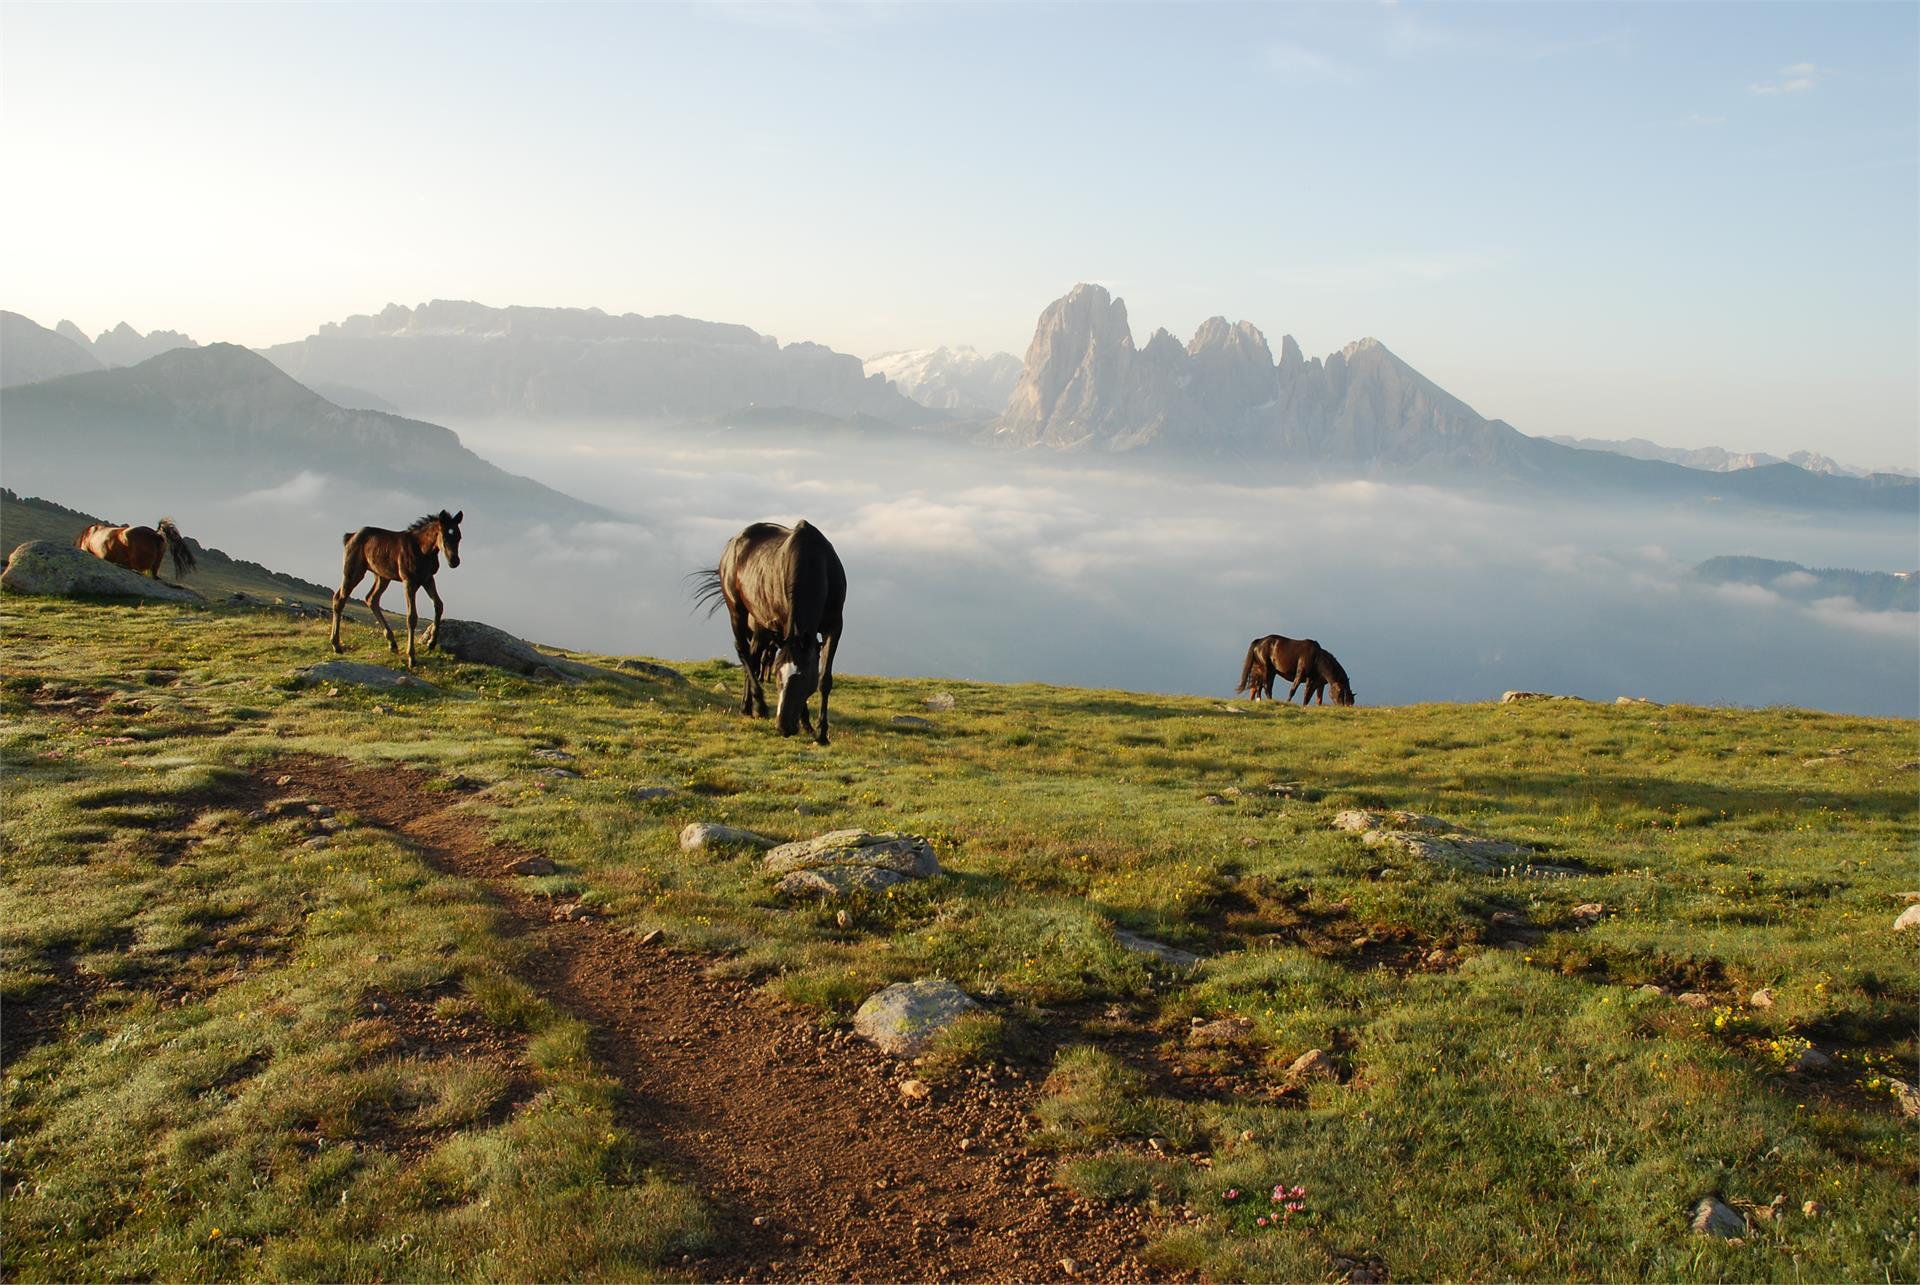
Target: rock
(1649, 988)
(1223, 1030)
(1906, 1097)
(1694, 999)
(60, 570)
(553, 755)
(914, 1090)
(1433, 839)
(1813, 1208)
(648, 793)
(1314, 1064)
(1212, 799)
(1515, 698)
(651, 937)
(531, 866)
(1439, 957)
(1712, 1217)
(1590, 912)
(479, 644)
(1811, 1059)
(842, 919)
(357, 674)
(940, 702)
(1069, 1267)
(708, 834)
(1636, 700)
(904, 1018)
(318, 842)
(657, 672)
(843, 861)
(560, 773)
(911, 720)
(1762, 998)
(1909, 918)
(1157, 949)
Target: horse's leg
(749, 660)
(826, 684)
(349, 580)
(413, 615)
(380, 584)
(439, 609)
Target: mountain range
(1224, 399)
(1871, 590)
(221, 421)
(962, 380)
(1716, 459)
(454, 358)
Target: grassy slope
(27, 518)
(1524, 1114)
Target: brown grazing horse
(1298, 660)
(786, 594)
(411, 557)
(140, 549)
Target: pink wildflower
(1261, 1220)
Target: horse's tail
(1250, 669)
(708, 591)
(183, 559)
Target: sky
(1690, 222)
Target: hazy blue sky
(1690, 222)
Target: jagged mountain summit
(450, 357)
(962, 380)
(29, 352)
(123, 345)
(1360, 412)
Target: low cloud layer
(969, 563)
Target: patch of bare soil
(819, 1168)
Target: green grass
(1521, 1112)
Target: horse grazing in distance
(411, 557)
(140, 549)
(786, 594)
(1298, 660)
(1324, 672)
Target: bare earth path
(818, 1169)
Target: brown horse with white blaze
(411, 557)
(786, 594)
(140, 549)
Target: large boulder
(845, 861)
(479, 644)
(356, 674)
(1432, 839)
(49, 567)
(904, 1018)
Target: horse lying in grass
(1299, 661)
(786, 594)
(140, 549)
(412, 557)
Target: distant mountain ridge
(454, 357)
(123, 345)
(1873, 590)
(29, 352)
(953, 379)
(224, 420)
(1715, 459)
(1223, 396)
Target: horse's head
(1342, 694)
(449, 543)
(799, 669)
(80, 541)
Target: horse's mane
(422, 523)
(1332, 670)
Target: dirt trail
(817, 1167)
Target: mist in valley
(967, 562)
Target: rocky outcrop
(1431, 839)
(60, 570)
(962, 380)
(904, 1018)
(847, 861)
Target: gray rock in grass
(845, 861)
(904, 1018)
(711, 835)
(1714, 1217)
(60, 570)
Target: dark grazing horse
(412, 557)
(1299, 661)
(140, 549)
(786, 594)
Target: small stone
(1439, 958)
(1225, 1030)
(940, 702)
(914, 1090)
(1361, 943)
(648, 793)
(1070, 1267)
(1649, 989)
(652, 937)
(1694, 999)
(1762, 998)
(1906, 1096)
(904, 1018)
(1314, 1064)
(1212, 799)
(1590, 911)
(316, 843)
(532, 866)
(759, 1220)
(911, 720)
(1712, 1217)
(283, 780)
(842, 918)
(1909, 918)
(1249, 843)
(1813, 1208)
